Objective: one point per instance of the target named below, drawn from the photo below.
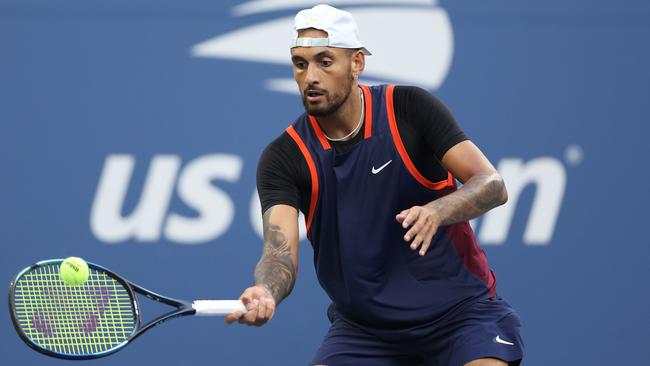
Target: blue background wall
(564, 81)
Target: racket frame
(183, 308)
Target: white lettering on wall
(152, 220)
(145, 223)
(549, 178)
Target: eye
(326, 63)
(300, 65)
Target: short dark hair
(352, 50)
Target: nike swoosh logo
(499, 340)
(375, 171)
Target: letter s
(216, 209)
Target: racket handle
(217, 307)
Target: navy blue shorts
(485, 328)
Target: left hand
(424, 222)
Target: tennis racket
(92, 320)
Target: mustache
(312, 88)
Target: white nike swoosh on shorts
(499, 340)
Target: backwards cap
(340, 26)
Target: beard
(333, 101)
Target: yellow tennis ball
(73, 271)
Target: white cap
(341, 28)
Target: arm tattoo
(275, 270)
(478, 195)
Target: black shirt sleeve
(427, 128)
(283, 175)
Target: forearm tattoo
(275, 270)
(478, 195)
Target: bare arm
(276, 270)
(483, 189)
(275, 273)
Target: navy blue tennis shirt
(362, 262)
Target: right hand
(260, 305)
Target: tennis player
(374, 170)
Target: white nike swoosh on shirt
(499, 340)
(375, 171)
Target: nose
(311, 74)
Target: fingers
(232, 317)
(266, 310)
(419, 237)
(246, 298)
(427, 240)
(270, 308)
(416, 230)
(401, 216)
(251, 315)
(411, 216)
(261, 311)
(260, 308)
(422, 227)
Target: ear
(358, 63)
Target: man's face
(323, 74)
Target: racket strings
(74, 320)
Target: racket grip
(217, 307)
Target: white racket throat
(217, 307)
